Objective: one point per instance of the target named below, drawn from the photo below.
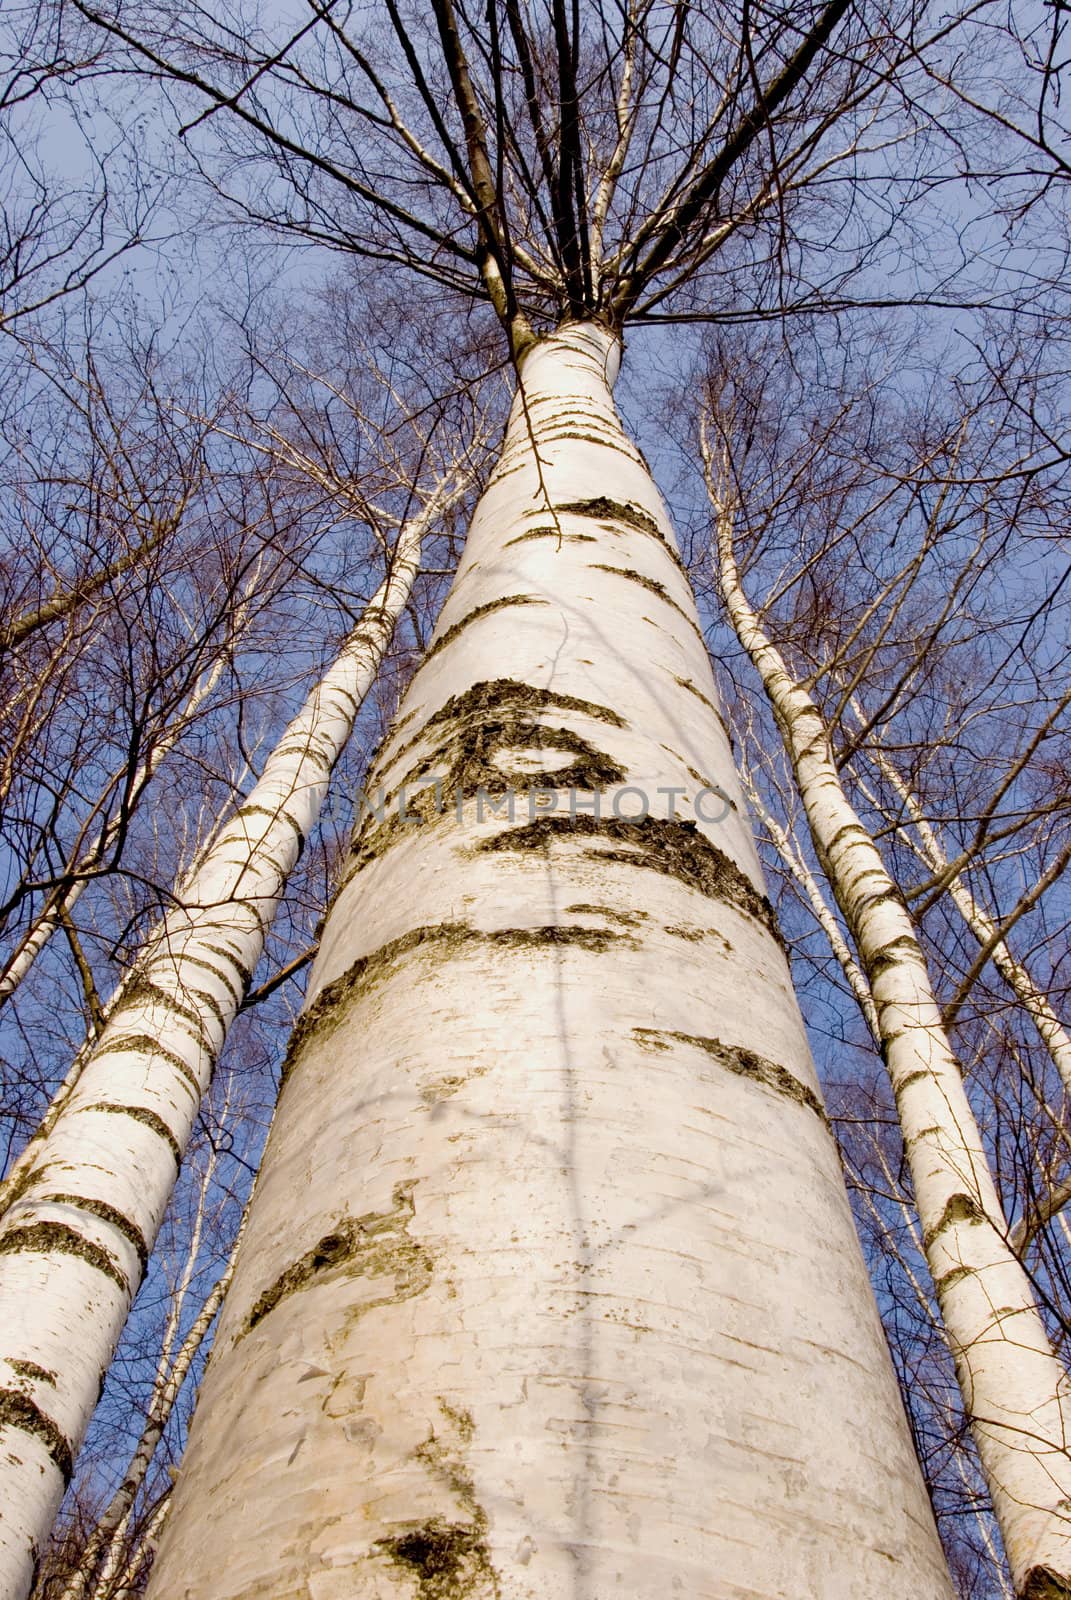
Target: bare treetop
(564, 162)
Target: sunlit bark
(550, 1285)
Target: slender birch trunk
(18, 967)
(75, 1239)
(1015, 1390)
(550, 1285)
(1033, 999)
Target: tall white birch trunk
(1015, 1390)
(75, 1238)
(1033, 999)
(550, 1286)
(37, 937)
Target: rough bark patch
(676, 849)
(606, 510)
(958, 1208)
(30, 1369)
(20, 1412)
(57, 1238)
(481, 729)
(448, 1561)
(107, 1213)
(440, 939)
(496, 697)
(376, 1245)
(1042, 1583)
(745, 1063)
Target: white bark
(1033, 999)
(798, 869)
(75, 1239)
(100, 847)
(1015, 1389)
(550, 1286)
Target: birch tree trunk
(1015, 1389)
(75, 1237)
(550, 1285)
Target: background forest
(231, 379)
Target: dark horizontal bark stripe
(675, 848)
(145, 1044)
(491, 699)
(20, 1412)
(652, 586)
(605, 510)
(147, 1118)
(485, 610)
(58, 1238)
(245, 973)
(144, 992)
(443, 938)
(743, 1062)
(275, 814)
(219, 973)
(109, 1214)
(686, 683)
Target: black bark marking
(30, 1369)
(676, 849)
(605, 510)
(1041, 1583)
(109, 1214)
(438, 939)
(57, 1238)
(486, 723)
(651, 584)
(551, 533)
(892, 954)
(507, 697)
(148, 1118)
(449, 1561)
(485, 610)
(628, 919)
(655, 588)
(686, 683)
(19, 1411)
(244, 973)
(744, 1063)
(958, 1208)
(942, 1284)
(376, 1245)
(274, 813)
(145, 1044)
